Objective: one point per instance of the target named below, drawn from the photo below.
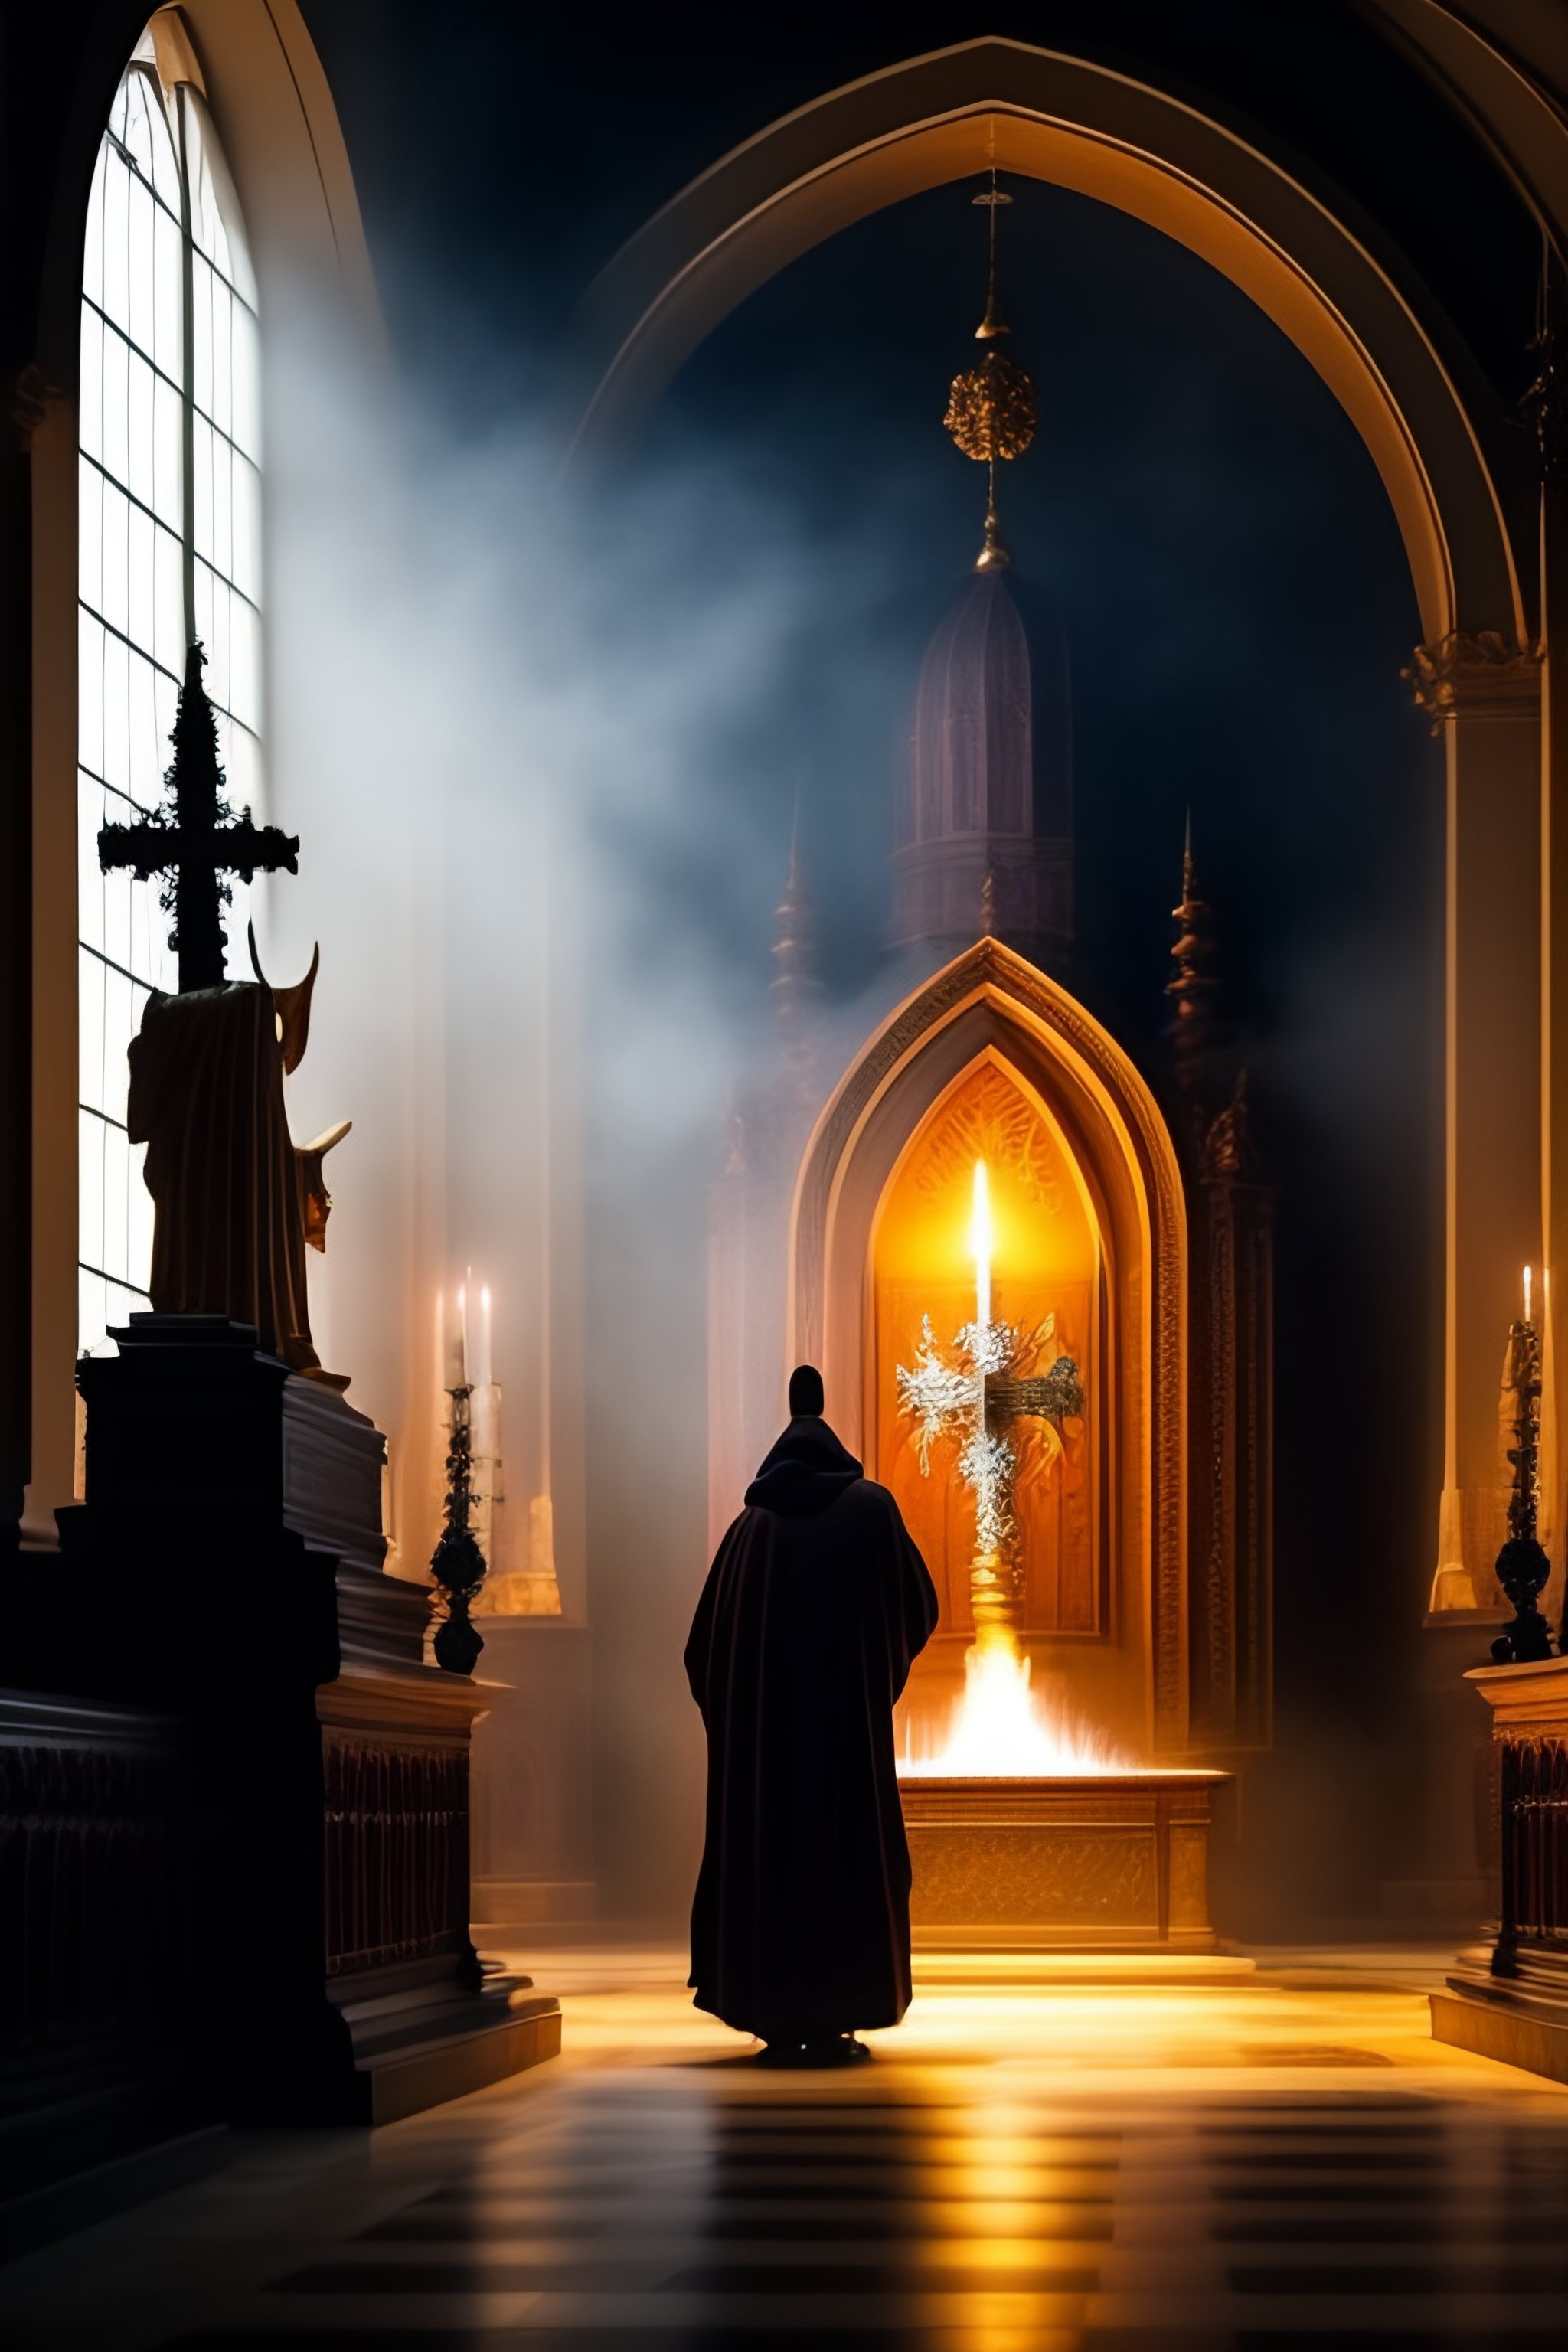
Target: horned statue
(234, 1198)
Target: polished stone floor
(1271, 2157)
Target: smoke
(532, 732)
(544, 737)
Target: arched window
(170, 550)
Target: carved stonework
(992, 1121)
(1042, 1865)
(1545, 401)
(1475, 674)
(1227, 1149)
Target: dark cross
(1050, 1396)
(196, 839)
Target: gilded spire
(1194, 987)
(991, 406)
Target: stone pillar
(22, 412)
(1484, 695)
(1554, 1001)
(1483, 692)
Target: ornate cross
(196, 839)
(970, 1392)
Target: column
(1484, 694)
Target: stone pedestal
(225, 1566)
(1105, 1863)
(533, 1853)
(1508, 1999)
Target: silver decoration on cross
(972, 1391)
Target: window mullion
(188, 389)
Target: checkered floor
(1278, 2161)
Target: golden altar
(1106, 1862)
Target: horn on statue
(292, 1005)
(315, 1198)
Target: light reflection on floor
(1265, 2158)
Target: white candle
(463, 1332)
(482, 1372)
(1527, 1293)
(980, 1242)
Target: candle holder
(457, 1563)
(1523, 1566)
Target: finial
(992, 555)
(988, 905)
(991, 406)
(1194, 988)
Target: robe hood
(805, 1472)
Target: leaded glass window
(170, 550)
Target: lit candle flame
(980, 1243)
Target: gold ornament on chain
(990, 407)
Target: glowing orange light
(1003, 1730)
(980, 1243)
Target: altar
(1114, 1862)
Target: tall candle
(482, 1372)
(1527, 1293)
(463, 1331)
(980, 1242)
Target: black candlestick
(1523, 1566)
(457, 1564)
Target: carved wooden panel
(395, 1833)
(1044, 1864)
(1535, 1839)
(1033, 1877)
(91, 1874)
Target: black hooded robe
(813, 1609)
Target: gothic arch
(927, 120)
(947, 115)
(991, 1003)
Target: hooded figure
(814, 1610)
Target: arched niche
(990, 1006)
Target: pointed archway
(990, 1004)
